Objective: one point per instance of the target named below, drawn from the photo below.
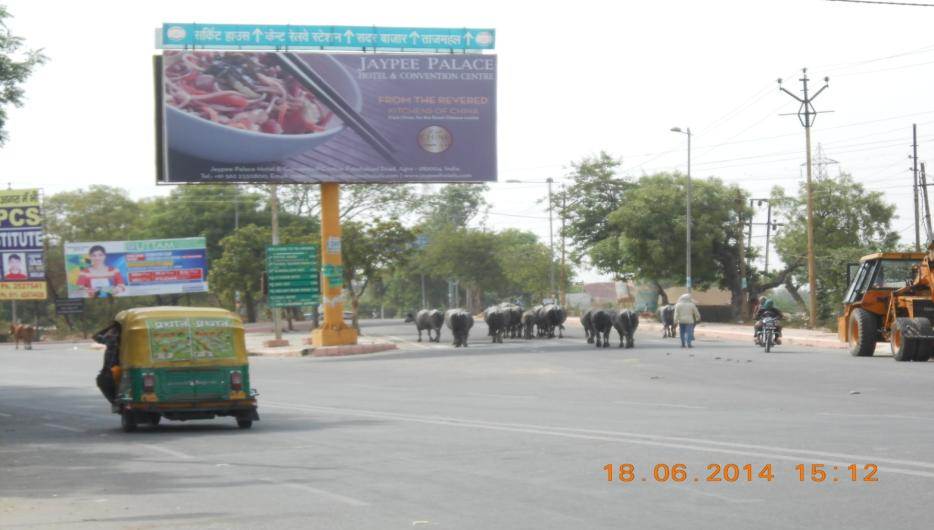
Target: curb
(326, 351)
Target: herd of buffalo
(543, 321)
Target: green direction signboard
(292, 272)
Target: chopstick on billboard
(306, 75)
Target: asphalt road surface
(488, 437)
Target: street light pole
(688, 282)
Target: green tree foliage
(17, 63)
(208, 211)
(453, 205)
(369, 251)
(849, 222)
(586, 204)
(100, 213)
(240, 267)
(647, 233)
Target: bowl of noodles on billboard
(245, 107)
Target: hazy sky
(574, 78)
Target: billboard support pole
(13, 311)
(274, 210)
(334, 332)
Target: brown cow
(23, 332)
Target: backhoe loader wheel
(925, 347)
(903, 347)
(862, 333)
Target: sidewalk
(743, 333)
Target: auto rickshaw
(178, 363)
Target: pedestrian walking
(686, 316)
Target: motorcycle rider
(767, 309)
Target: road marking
(660, 405)
(675, 442)
(166, 450)
(324, 493)
(5, 415)
(889, 416)
(510, 396)
(62, 427)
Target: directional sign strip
(175, 35)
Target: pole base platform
(333, 337)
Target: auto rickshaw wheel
(244, 423)
(128, 421)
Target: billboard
(135, 268)
(261, 117)
(22, 266)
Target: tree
(849, 222)
(368, 251)
(469, 256)
(453, 205)
(100, 213)
(212, 212)
(586, 204)
(16, 65)
(241, 267)
(646, 234)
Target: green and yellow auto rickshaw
(178, 363)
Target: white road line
(172, 452)
(5, 415)
(714, 495)
(62, 427)
(696, 407)
(508, 396)
(886, 416)
(317, 491)
(693, 444)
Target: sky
(574, 79)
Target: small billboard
(22, 265)
(135, 268)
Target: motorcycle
(768, 333)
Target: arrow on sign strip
(257, 33)
(468, 37)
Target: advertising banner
(22, 266)
(136, 268)
(267, 117)
(191, 339)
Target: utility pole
(274, 210)
(806, 114)
(551, 243)
(744, 302)
(927, 206)
(688, 283)
(564, 280)
(769, 228)
(914, 171)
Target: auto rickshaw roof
(139, 315)
(900, 256)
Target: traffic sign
(69, 306)
(292, 272)
(278, 37)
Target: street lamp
(688, 201)
(551, 235)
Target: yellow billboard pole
(333, 332)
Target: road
(492, 436)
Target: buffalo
(427, 319)
(496, 320)
(459, 322)
(528, 323)
(626, 322)
(513, 324)
(586, 323)
(601, 322)
(666, 315)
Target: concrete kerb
(305, 349)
